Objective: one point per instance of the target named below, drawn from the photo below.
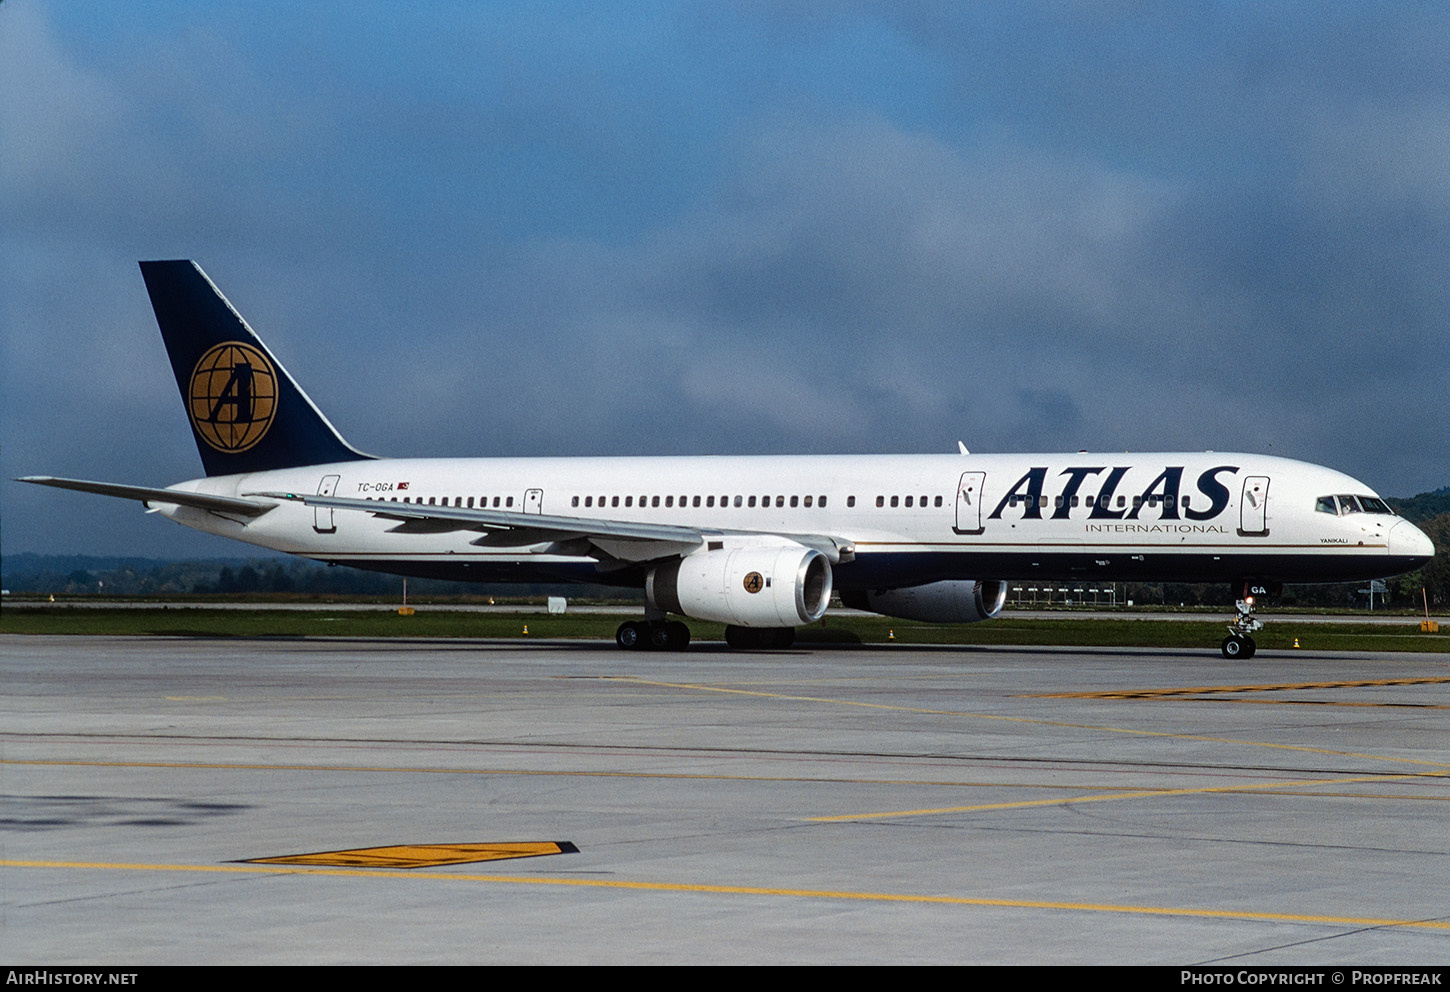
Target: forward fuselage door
(1254, 507)
(969, 503)
(322, 521)
(533, 501)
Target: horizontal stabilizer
(201, 501)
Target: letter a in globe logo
(233, 396)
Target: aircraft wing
(625, 540)
(147, 495)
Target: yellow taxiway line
(750, 890)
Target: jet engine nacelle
(954, 601)
(783, 585)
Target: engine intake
(755, 586)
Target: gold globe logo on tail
(233, 396)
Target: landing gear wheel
(671, 636)
(1239, 644)
(630, 635)
(659, 636)
(1239, 647)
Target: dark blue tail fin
(247, 413)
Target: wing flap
(539, 526)
(620, 540)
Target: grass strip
(1280, 633)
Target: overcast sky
(488, 229)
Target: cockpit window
(1343, 504)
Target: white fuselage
(910, 519)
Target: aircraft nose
(1408, 541)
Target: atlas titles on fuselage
(1163, 495)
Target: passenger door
(969, 503)
(322, 521)
(1254, 507)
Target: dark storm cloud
(742, 228)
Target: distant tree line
(76, 575)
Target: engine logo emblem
(233, 396)
(754, 582)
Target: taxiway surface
(907, 804)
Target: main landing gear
(672, 635)
(1239, 644)
(652, 635)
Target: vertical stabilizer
(247, 414)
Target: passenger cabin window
(850, 501)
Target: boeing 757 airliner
(756, 543)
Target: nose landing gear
(1239, 644)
